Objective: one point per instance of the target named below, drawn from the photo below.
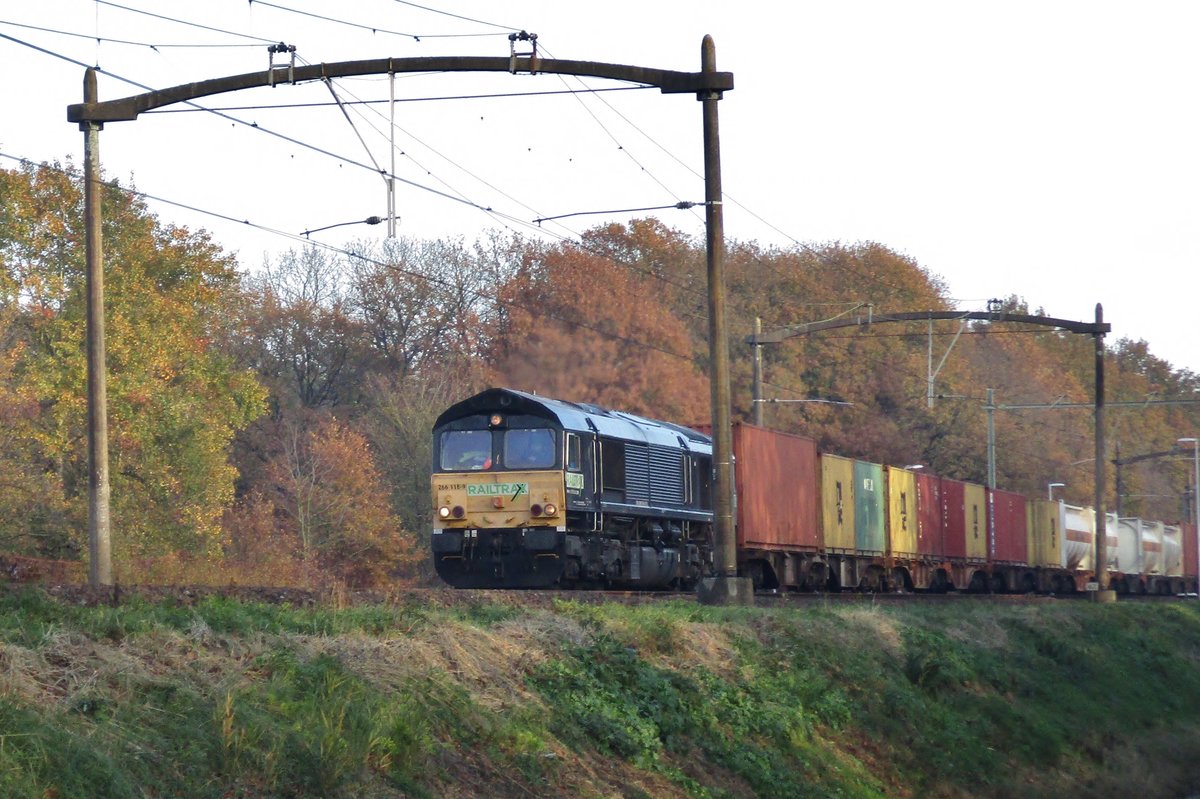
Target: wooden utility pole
(1101, 515)
(99, 531)
(726, 588)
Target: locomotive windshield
(466, 450)
(529, 449)
(521, 448)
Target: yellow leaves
(174, 404)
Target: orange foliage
(582, 327)
(332, 499)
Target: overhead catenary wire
(372, 28)
(107, 40)
(455, 16)
(182, 22)
(268, 131)
(725, 195)
(392, 124)
(398, 100)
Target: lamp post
(1195, 442)
(1050, 489)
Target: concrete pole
(726, 588)
(929, 368)
(991, 438)
(99, 530)
(757, 399)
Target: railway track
(448, 597)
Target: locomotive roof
(576, 416)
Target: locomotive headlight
(550, 509)
(444, 512)
(535, 510)
(458, 512)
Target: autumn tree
(175, 401)
(336, 503)
(581, 326)
(301, 337)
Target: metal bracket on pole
(281, 48)
(513, 55)
(933, 373)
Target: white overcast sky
(1043, 149)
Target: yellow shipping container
(902, 512)
(837, 502)
(1046, 521)
(975, 502)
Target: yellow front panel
(975, 503)
(837, 502)
(493, 500)
(902, 511)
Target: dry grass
(871, 624)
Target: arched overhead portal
(1095, 329)
(708, 85)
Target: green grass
(235, 699)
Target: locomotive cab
(499, 498)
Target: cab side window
(612, 467)
(574, 457)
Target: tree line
(271, 425)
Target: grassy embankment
(477, 697)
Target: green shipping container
(869, 534)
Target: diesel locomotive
(530, 492)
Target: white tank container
(1152, 547)
(1129, 546)
(1079, 539)
(1172, 550)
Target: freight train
(531, 492)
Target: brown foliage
(333, 500)
(585, 328)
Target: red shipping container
(954, 520)
(1189, 549)
(1008, 527)
(778, 489)
(930, 538)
